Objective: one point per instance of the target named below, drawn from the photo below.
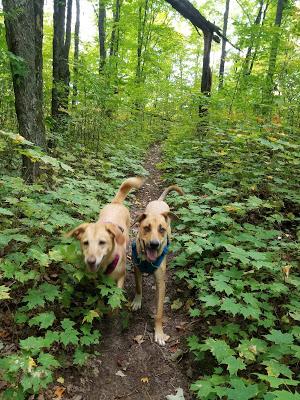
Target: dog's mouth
(151, 254)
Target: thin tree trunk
(114, 45)
(206, 71)
(114, 42)
(141, 47)
(206, 79)
(24, 35)
(76, 53)
(269, 84)
(61, 50)
(253, 39)
(223, 52)
(257, 44)
(102, 34)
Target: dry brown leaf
(286, 271)
(139, 339)
(59, 392)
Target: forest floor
(130, 365)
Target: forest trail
(150, 371)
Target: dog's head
(153, 233)
(97, 242)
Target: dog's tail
(170, 189)
(127, 185)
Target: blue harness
(147, 266)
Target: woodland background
(78, 117)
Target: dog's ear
(170, 215)
(78, 231)
(139, 219)
(116, 233)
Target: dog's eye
(85, 243)
(101, 242)
(147, 228)
(162, 229)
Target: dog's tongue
(151, 254)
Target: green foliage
(43, 276)
(239, 250)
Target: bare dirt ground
(131, 366)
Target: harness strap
(145, 265)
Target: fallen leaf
(31, 364)
(59, 392)
(286, 271)
(139, 339)
(120, 373)
(177, 304)
(145, 379)
(178, 396)
(60, 380)
(3, 334)
(181, 326)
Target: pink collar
(111, 267)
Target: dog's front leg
(160, 274)
(137, 301)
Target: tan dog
(149, 254)
(104, 242)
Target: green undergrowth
(49, 305)
(238, 246)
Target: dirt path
(150, 371)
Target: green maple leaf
(221, 286)
(44, 320)
(49, 291)
(80, 357)
(230, 306)
(240, 391)
(275, 368)
(234, 364)
(210, 300)
(219, 349)
(202, 388)
(70, 335)
(285, 395)
(34, 299)
(48, 360)
(278, 337)
(276, 382)
(33, 344)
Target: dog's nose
(154, 244)
(91, 261)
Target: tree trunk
(223, 52)
(141, 46)
(206, 71)
(76, 53)
(61, 49)
(102, 35)
(114, 42)
(269, 84)
(24, 35)
(253, 39)
(257, 44)
(206, 79)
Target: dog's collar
(112, 266)
(145, 265)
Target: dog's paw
(161, 338)
(137, 302)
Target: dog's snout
(154, 244)
(91, 260)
